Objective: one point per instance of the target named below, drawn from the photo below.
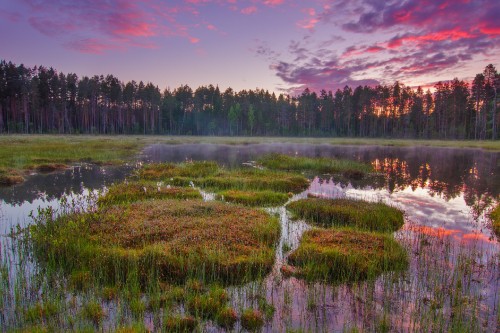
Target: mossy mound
(495, 220)
(317, 164)
(342, 255)
(136, 191)
(167, 239)
(254, 198)
(348, 212)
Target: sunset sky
(279, 45)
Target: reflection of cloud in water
(446, 216)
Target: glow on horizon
(278, 45)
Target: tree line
(43, 100)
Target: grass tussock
(348, 212)
(252, 320)
(137, 191)
(495, 220)
(342, 255)
(9, 177)
(254, 198)
(170, 239)
(318, 164)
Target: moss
(319, 164)
(346, 255)
(169, 239)
(254, 198)
(252, 320)
(179, 324)
(135, 191)
(495, 219)
(348, 212)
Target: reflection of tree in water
(55, 185)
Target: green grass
(350, 169)
(252, 320)
(254, 198)
(166, 171)
(342, 255)
(136, 191)
(171, 239)
(348, 212)
(495, 220)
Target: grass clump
(9, 177)
(135, 191)
(342, 255)
(41, 311)
(226, 318)
(175, 323)
(318, 164)
(252, 320)
(254, 198)
(371, 216)
(495, 220)
(207, 305)
(162, 239)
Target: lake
(446, 195)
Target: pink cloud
(249, 10)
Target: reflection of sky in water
(419, 205)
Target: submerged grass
(254, 198)
(349, 168)
(343, 254)
(167, 239)
(348, 212)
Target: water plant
(363, 215)
(343, 254)
(254, 198)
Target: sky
(277, 45)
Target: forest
(43, 100)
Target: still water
(446, 195)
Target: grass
(348, 212)
(173, 239)
(351, 169)
(342, 255)
(23, 152)
(495, 220)
(254, 198)
(136, 191)
(209, 175)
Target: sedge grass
(342, 255)
(348, 212)
(495, 220)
